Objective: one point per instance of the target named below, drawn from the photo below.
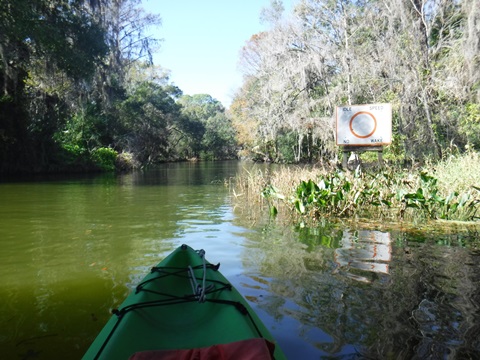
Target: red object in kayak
(251, 349)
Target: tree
(425, 39)
(196, 111)
(46, 47)
(282, 76)
(419, 55)
(219, 138)
(125, 23)
(200, 106)
(147, 118)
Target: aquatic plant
(392, 193)
(270, 193)
(384, 194)
(427, 199)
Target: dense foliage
(422, 56)
(79, 92)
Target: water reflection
(364, 250)
(415, 299)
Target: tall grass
(250, 188)
(457, 173)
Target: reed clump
(457, 172)
(445, 190)
(258, 188)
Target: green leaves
(431, 205)
(207, 131)
(270, 193)
(104, 158)
(333, 195)
(380, 194)
(306, 194)
(147, 120)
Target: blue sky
(202, 41)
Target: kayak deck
(184, 303)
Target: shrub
(104, 158)
(74, 155)
(125, 161)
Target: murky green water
(71, 249)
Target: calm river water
(72, 249)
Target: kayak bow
(184, 307)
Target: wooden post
(361, 149)
(344, 158)
(380, 157)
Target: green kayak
(184, 309)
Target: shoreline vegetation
(445, 191)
